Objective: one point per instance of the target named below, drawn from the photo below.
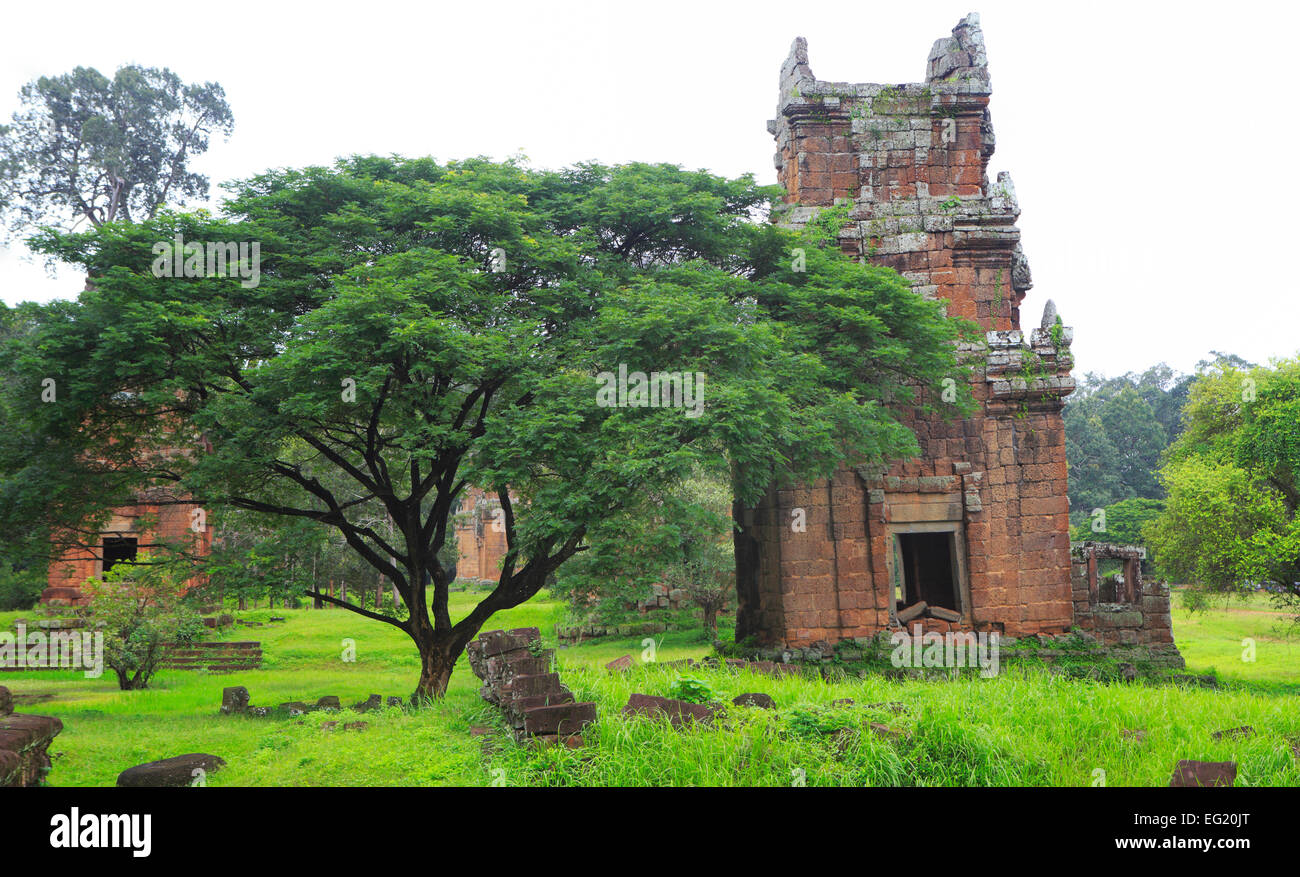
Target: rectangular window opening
(117, 551)
(927, 565)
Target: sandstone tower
(977, 527)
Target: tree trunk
(711, 622)
(436, 662)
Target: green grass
(1213, 641)
(1023, 728)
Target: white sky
(1150, 143)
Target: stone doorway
(928, 565)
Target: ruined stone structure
(977, 527)
(159, 519)
(1121, 609)
(480, 537)
(156, 519)
(24, 744)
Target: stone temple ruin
(974, 534)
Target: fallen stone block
(175, 772)
(542, 741)
(842, 701)
(394, 700)
(328, 726)
(6, 701)
(355, 726)
(887, 732)
(620, 665)
(24, 743)
(943, 614)
(329, 702)
(1204, 773)
(295, 708)
(519, 705)
(373, 702)
(1234, 733)
(916, 610)
(679, 712)
(234, 700)
(755, 698)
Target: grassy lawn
(1213, 641)
(1023, 728)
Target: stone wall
(1122, 609)
(911, 163)
(24, 744)
(213, 656)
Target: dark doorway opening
(927, 560)
(118, 551)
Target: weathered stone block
(176, 772)
(1204, 773)
(620, 665)
(678, 712)
(234, 699)
(26, 739)
(559, 719)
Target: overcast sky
(1150, 143)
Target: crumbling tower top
(910, 160)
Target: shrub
(691, 689)
(20, 588)
(142, 608)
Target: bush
(20, 589)
(142, 608)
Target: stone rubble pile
(235, 700)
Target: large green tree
(1233, 479)
(84, 148)
(1116, 430)
(421, 327)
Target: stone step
(559, 719)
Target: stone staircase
(517, 677)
